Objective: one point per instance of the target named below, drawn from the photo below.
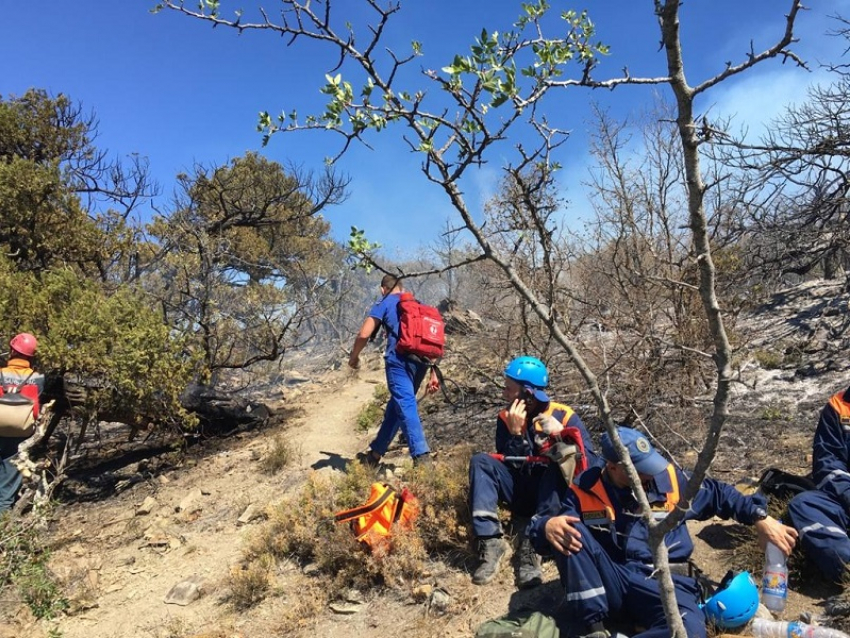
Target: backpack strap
(368, 508)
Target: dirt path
(121, 564)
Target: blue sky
(179, 92)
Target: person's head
(390, 283)
(23, 345)
(526, 378)
(647, 461)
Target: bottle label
(797, 630)
(775, 583)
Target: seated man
(18, 371)
(822, 516)
(521, 485)
(601, 540)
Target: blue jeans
(10, 483)
(403, 380)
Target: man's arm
(716, 498)
(370, 324)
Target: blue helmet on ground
(735, 603)
(531, 373)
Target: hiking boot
(528, 572)
(490, 553)
(368, 458)
(423, 460)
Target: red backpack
(421, 329)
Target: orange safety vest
(842, 408)
(597, 509)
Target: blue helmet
(531, 373)
(735, 603)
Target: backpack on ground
(386, 508)
(783, 485)
(519, 625)
(421, 329)
(18, 407)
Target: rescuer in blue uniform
(601, 547)
(404, 376)
(822, 516)
(522, 486)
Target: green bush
(372, 413)
(23, 565)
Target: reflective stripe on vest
(842, 409)
(596, 507)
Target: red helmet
(24, 343)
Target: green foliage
(244, 258)
(115, 340)
(482, 81)
(768, 359)
(361, 249)
(371, 413)
(23, 565)
(46, 158)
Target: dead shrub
(278, 456)
(250, 582)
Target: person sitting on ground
(601, 547)
(523, 487)
(822, 516)
(18, 371)
(404, 376)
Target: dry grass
(278, 456)
(301, 529)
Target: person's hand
(516, 417)
(354, 361)
(771, 530)
(562, 534)
(433, 384)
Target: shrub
(302, 528)
(277, 457)
(372, 412)
(23, 564)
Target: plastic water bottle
(774, 586)
(763, 628)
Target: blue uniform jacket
(628, 540)
(831, 449)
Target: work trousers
(403, 380)
(822, 523)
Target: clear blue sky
(179, 92)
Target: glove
(547, 424)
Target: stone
(147, 506)
(185, 592)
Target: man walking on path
(404, 376)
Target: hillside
(188, 520)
